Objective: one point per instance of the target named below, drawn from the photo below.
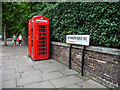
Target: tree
(15, 17)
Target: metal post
(70, 56)
(82, 63)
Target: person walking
(14, 38)
(20, 39)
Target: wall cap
(107, 50)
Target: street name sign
(78, 39)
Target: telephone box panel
(39, 29)
(29, 37)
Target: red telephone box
(39, 38)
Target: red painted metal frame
(38, 43)
(29, 37)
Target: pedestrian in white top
(20, 39)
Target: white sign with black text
(78, 39)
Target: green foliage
(15, 16)
(99, 20)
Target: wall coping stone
(60, 44)
(107, 50)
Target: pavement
(19, 71)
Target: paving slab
(0, 85)
(59, 65)
(42, 65)
(6, 54)
(32, 73)
(96, 84)
(20, 87)
(22, 57)
(25, 64)
(13, 57)
(9, 64)
(23, 69)
(68, 71)
(9, 84)
(90, 84)
(0, 74)
(72, 86)
(28, 80)
(65, 81)
(10, 76)
(4, 57)
(52, 75)
(48, 69)
(41, 62)
(8, 71)
(48, 63)
(44, 84)
(32, 85)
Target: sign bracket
(80, 40)
(82, 63)
(70, 56)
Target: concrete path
(19, 71)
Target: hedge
(99, 20)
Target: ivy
(99, 20)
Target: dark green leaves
(100, 20)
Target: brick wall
(101, 64)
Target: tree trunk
(2, 35)
(5, 39)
